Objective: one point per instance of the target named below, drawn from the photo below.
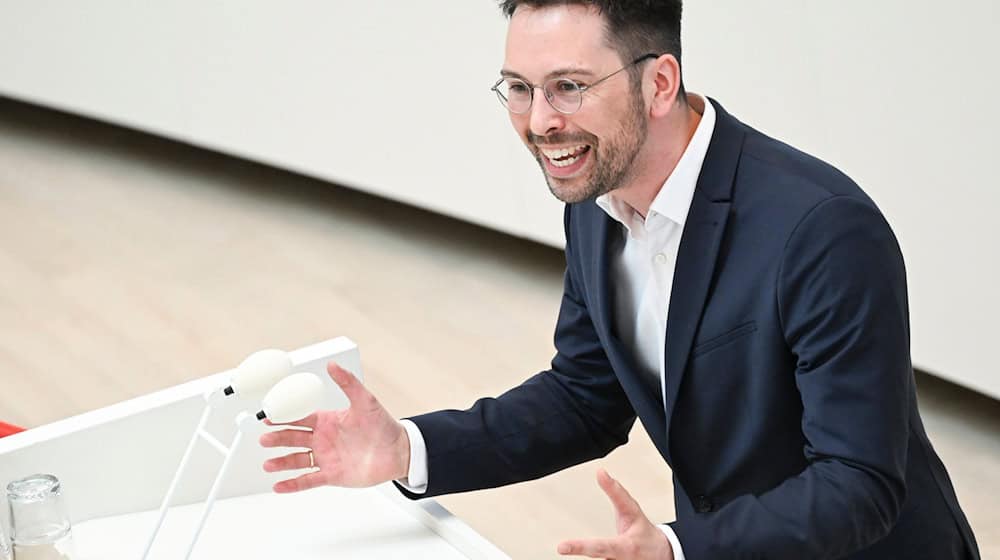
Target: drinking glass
(4, 545)
(40, 527)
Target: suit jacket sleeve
(574, 412)
(841, 297)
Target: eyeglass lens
(563, 94)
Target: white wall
(392, 97)
(384, 95)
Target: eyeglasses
(563, 94)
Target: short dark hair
(634, 27)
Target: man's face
(592, 151)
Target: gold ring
(312, 460)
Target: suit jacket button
(703, 504)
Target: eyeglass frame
(581, 88)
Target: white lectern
(115, 464)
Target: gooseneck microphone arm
(254, 377)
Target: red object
(9, 429)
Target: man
(746, 301)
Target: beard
(613, 159)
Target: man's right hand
(357, 447)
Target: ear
(664, 86)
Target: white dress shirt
(642, 274)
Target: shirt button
(660, 258)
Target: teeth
(565, 162)
(556, 154)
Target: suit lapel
(646, 403)
(604, 233)
(699, 249)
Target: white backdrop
(392, 97)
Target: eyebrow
(554, 74)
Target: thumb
(627, 510)
(349, 384)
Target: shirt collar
(674, 198)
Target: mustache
(562, 138)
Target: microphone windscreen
(260, 371)
(293, 398)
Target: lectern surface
(323, 523)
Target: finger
(307, 422)
(624, 503)
(594, 548)
(287, 438)
(300, 483)
(349, 384)
(292, 461)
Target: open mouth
(565, 157)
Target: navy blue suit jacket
(791, 420)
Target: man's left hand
(637, 537)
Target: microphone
(292, 399)
(286, 398)
(259, 372)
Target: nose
(544, 119)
